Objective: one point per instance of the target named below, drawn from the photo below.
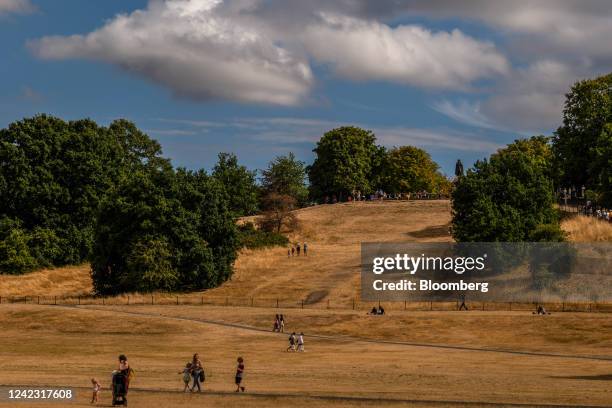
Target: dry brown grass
(333, 234)
(69, 280)
(587, 229)
(66, 346)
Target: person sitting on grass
(239, 374)
(541, 310)
(374, 311)
(186, 376)
(381, 311)
(96, 390)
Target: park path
(348, 338)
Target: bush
(15, 256)
(252, 238)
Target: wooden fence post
(79, 300)
(277, 303)
(177, 300)
(302, 303)
(38, 300)
(251, 301)
(430, 305)
(55, 300)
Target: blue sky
(262, 78)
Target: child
(96, 390)
(239, 374)
(301, 342)
(186, 376)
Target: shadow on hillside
(435, 231)
(600, 377)
(315, 297)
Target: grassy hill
(330, 271)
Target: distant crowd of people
(600, 213)
(296, 249)
(382, 195)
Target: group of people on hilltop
(382, 195)
(296, 249)
(600, 213)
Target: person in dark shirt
(239, 375)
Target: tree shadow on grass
(434, 231)
(600, 377)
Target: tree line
(75, 191)
(511, 196)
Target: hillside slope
(333, 234)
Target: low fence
(278, 303)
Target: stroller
(119, 388)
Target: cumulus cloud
(189, 47)
(16, 6)
(236, 50)
(409, 54)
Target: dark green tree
(240, 184)
(347, 159)
(163, 229)
(578, 142)
(286, 175)
(508, 198)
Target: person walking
(292, 341)
(305, 249)
(297, 249)
(95, 391)
(300, 343)
(197, 372)
(282, 323)
(463, 305)
(239, 374)
(186, 376)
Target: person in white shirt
(301, 342)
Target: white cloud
(465, 112)
(189, 47)
(408, 54)
(16, 6)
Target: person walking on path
(239, 374)
(305, 249)
(300, 343)
(297, 249)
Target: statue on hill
(459, 168)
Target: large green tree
(53, 176)
(410, 169)
(240, 184)
(285, 175)
(347, 159)
(508, 198)
(580, 142)
(163, 229)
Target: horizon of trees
(75, 191)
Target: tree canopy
(508, 198)
(347, 159)
(410, 169)
(240, 184)
(581, 144)
(285, 175)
